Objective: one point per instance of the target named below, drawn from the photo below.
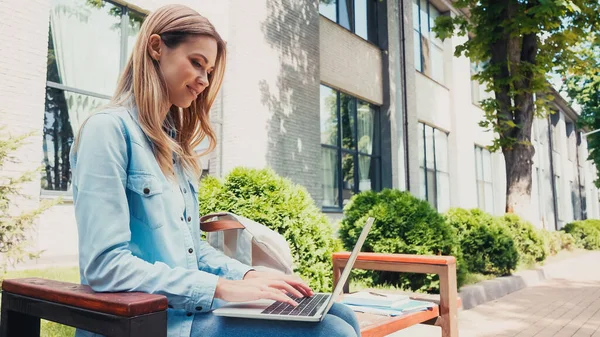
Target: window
(80, 76)
(349, 147)
(433, 162)
(429, 50)
(483, 176)
(478, 90)
(358, 16)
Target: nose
(203, 79)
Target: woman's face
(185, 68)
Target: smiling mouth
(194, 92)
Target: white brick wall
(350, 63)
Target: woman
(135, 189)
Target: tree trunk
(518, 161)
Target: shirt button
(173, 160)
(189, 314)
(189, 218)
(191, 250)
(199, 308)
(146, 190)
(181, 218)
(184, 190)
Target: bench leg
(448, 302)
(18, 324)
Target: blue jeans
(339, 322)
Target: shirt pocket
(146, 202)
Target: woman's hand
(255, 289)
(261, 285)
(292, 280)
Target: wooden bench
(444, 314)
(26, 301)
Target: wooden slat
(119, 304)
(399, 258)
(379, 326)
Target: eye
(196, 64)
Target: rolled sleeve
(215, 262)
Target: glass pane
(347, 176)
(365, 126)
(433, 14)
(417, 51)
(421, 142)
(366, 170)
(441, 151)
(431, 185)
(347, 108)
(327, 8)
(487, 166)
(345, 11)
(480, 195)
(429, 148)
(329, 121)
(424, 18)
(415, 13)
(478, 164)
(64, 112)
(330, 177)
(489, 198)
(443, 192)
(78, 28)
(361, 15)
(437, 63)
(423, 184)
(135, 23)
(426, 55)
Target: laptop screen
(346, 273)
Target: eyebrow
(203, 57)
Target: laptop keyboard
(307, 306)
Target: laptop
(309, 309)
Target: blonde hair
(142, 79)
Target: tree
(584, 89)
(14, 227)
(519, 43)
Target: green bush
(489, 250)
(487, 247)
(586, 233)
(552, 241)
(403, 224)
(276, 202)
(528, 241)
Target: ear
(154, 46)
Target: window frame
(372, 28)
(420, 68)
(479, 163)
(435, 170)
(341, 150)
(123, 51)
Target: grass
(67, 274)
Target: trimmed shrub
(586, 233)
(489, 250)
(403, 224)
(487, 247)
(276, 202)
(527, 239)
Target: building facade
(341, 96)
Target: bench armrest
(444, 266)
(126, 304)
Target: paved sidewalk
(566, 305)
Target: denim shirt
(135, 232)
